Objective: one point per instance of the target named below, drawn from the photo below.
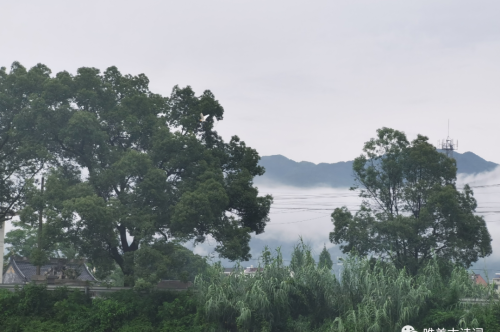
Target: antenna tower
(448, 145)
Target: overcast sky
(311, 80)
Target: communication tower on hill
(448, 145)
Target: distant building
(252, 270)
(247, 271)
(21, 271)
(496, 282)
(228, 271)
(479, 280)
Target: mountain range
(283, 171)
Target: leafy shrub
(370, 296)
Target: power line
(316, 203)
(294, 222)
(351, 193)
(352, 210)
(324, 215)
(306, 209)
(484, 186)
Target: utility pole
(2, 236)
(40, 224)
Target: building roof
(26, 270)
(252, 270)
(479, 280)
(249, 270)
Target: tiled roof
(28, 270)
(480, 280)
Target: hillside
(283, 171)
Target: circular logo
(408, 328)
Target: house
(496, 282)
(228, 271)
(21, 271)
(479, 280)
(252, 270)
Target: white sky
(311, 80)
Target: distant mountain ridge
(283, 171)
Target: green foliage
(412, 209)
(116, 278)
(488, 317)
(325, 260)
(372, 295)
(301, 256)
(39, 257)
(22, 150)
(36, 309)
(22, 240)
(152, 169)
(167, 260)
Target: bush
(34, 308)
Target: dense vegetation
(370, 296)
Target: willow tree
(138, 172)
(412, 208)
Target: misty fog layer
(299, 212)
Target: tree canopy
(22, 152)
(325, 260)
(412, 208)
(133, 170)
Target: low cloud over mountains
(283, 171)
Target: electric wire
(294, 222)
(299, 202)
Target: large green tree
(136, 171)
(411, 206)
